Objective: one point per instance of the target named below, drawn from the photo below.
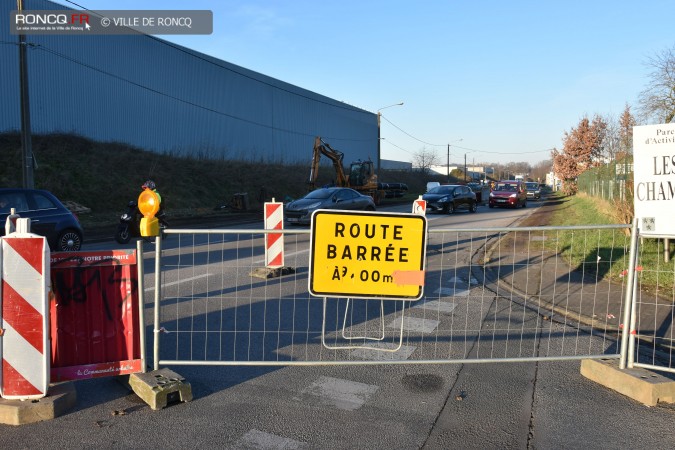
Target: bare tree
(612, 141)
(626, 124)
(540, 170)
(657, 101)
(424, 159)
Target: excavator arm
(322, 148)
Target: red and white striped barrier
(24, 345)
(274, 242)
(419, 207)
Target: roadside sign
(274, 242)
(367, 255)
(96, 322)
(654, 192)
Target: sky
(499, 81)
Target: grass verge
(604, 253)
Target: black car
(448, 198)
(48, 217)
(300, 211)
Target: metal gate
(491, 294)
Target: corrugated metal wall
(159, 96)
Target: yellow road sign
(367, 255)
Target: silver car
(533, 190)
(300, 211)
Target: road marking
(173, 283)
(457, 280)
(450, 292)
(343, 394)
(401, 354)
(414, 324)
(262, 261)
(437, 305)
(256, 439)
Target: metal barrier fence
(493, 294)
(652, 334)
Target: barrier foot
(640, 384)
(160, 388)
(61, 397)
(272, 272)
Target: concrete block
(160, 387)
(640, 384)
(61, 397)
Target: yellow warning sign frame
(360, 254)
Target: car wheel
(450, 208)
(473, 207)
(69, 241)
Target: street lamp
(379, 144)
(448, 161)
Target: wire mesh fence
(612, 181)
(514, 294)
(652, 334)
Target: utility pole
(465, 167)
(26, 143)
(448, 163)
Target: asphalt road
(437, 406)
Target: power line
(400, 148)
(457, 146)
(410, 135)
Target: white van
(432, 184)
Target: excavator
(362, 176)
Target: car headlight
(444, 199)
(125, 216)
(314, 205)
(513, 196)
(491, 194)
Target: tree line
(594, 140)
(603, 139)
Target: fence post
(630, 298)
(158, 286)
(141, 302)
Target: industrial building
(146, 92)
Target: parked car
(508, 193)
(449, 197)
(300, 211)
(479, 189)
(48, 217)
(533, 190)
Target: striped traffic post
(420, 207)
(274, 242)
(24, 345)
